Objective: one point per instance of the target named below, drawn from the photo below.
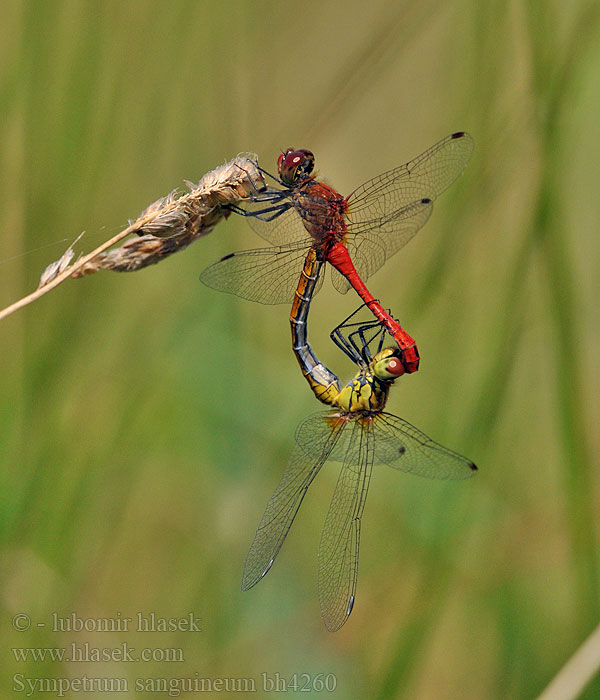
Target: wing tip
(249, 581)
(350, 605)
(333, 624)
(473, 467)
(267, 567)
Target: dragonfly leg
(343, 340)
(235, 209)
(345, 335)
(266, 214)
(263, 193)
(345, 346)
(364, 348)
(268, 196)
(268, 174)
(345, 323)
(250, 179)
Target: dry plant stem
(168, 225)
(65, 274)
(577, 672)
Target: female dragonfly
(357, 432)
(355, 234)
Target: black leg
(343, 337)
(355, 338)
(268, 174)
(364, 348)
(250, 180)
(266, 214)
(263, 193)
(345, 346)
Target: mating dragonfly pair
(310, 224)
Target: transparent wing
(278, 229)
(265, 275)
(302, 467)
(346, 447)
(424, 177)
(401, 446)
(371, 249)
(386, 212)
(338, 549)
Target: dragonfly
(354, 234)
(357, 432)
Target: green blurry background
(145, 419)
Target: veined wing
(283, 505)
(372, 248)
(265, 275)
(346, 446)
(283, 228)
(424, 177)
(401, 446)
(386, 212)
(338, 549)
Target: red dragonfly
(355, 234)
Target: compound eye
(282, 157)
(292, 159)
(395, 367)
(388, 366)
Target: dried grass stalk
(173, 222)
(166, 226)
(54, 269)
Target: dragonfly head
(387, 365)
(295, 165)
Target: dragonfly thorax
(363, 394)
(367, 391)
(322, 210)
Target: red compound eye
(395, 367)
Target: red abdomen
(337, 255)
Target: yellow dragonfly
(357, 432)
